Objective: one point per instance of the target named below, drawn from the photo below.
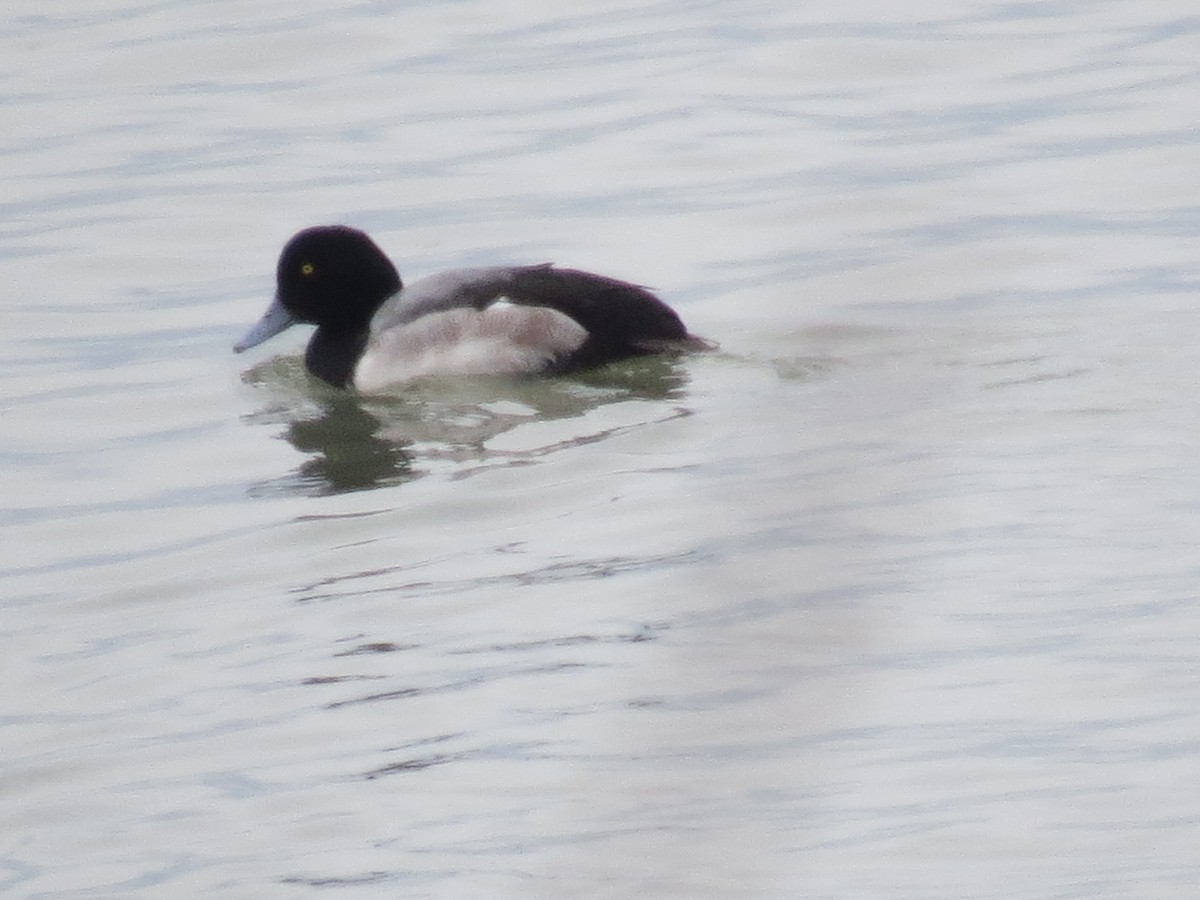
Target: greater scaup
(373, 332)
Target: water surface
(890, 596)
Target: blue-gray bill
(273, 321)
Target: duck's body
(374, 333)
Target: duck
(374, 333)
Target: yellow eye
(307, 269)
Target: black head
(334, 276)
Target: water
(890, 596)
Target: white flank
(499, 340)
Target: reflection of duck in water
(373, 333)
(356, 443)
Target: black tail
(621, 319)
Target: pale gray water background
(893, 596)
